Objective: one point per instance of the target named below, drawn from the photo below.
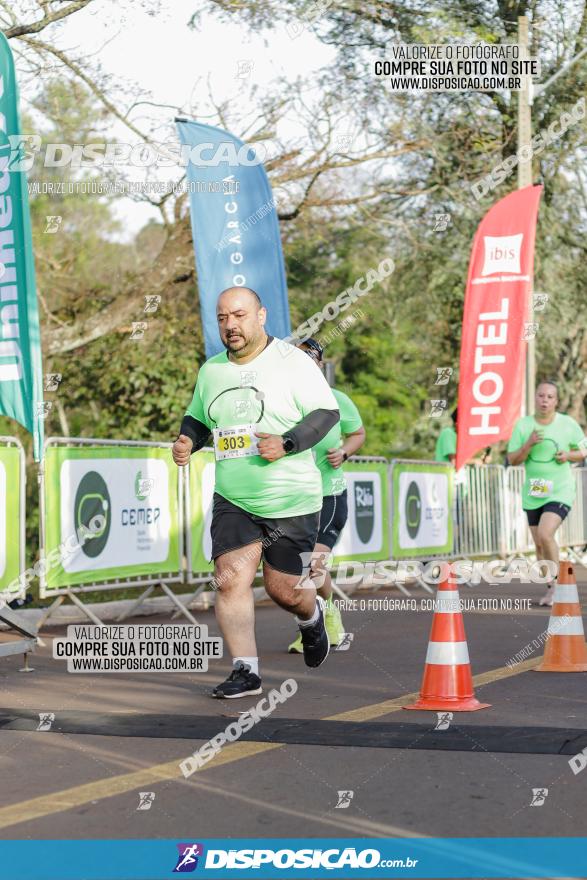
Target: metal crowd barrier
(573, 532)
(479, 511)
(489, 519)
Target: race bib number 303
(235, 442)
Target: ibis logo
(364, 509)
(502, 254)
(92, 500)
(413, 509)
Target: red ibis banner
(493, 344)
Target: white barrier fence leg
(136, 604)
(52, 607)
(193, 598)
(180, 606)
(76, 601)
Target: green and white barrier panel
(111, 517)
(13, 577)
(199, 494)
(422, 509)
(365, 536)
(12, 519)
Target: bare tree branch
(36, 26)
(75, 68)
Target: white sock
(313, 619)
(251, 662)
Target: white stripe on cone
(569, 626)
(565, 593)
(447, 653)
(447, 602)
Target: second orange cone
(565, 649)
(447, 682)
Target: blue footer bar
(307, 858)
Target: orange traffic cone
(447, 681)
(565, 649)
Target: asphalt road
(116, 735)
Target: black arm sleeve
(198, 432)
(312, 429)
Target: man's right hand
(181, 450)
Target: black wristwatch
(288, 444)
(344, 456)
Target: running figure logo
(46, 719)
(437, 407)
(345, 642)
(146, 799)
(530, 330)
(344, 799)
(443, 375)
(444, 719)
(187, 860)
(539, 795)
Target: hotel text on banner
(493, 342)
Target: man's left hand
(562, 456)
(335, 457)
(270, 446)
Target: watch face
(288, 444)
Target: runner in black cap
(330, 453)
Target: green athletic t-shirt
(274, 392)
(333, 482)
(446, 445)
(548, 480)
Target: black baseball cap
(314, 346)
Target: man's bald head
(241, 320)
(241, 290)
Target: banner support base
(22, 646)
(193, 598)
(181, 608)
(59, 600)
(26, 667)
(137, 604)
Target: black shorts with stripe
(286, 541)
(551, 506)
(333, 517)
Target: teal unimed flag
(21, 371)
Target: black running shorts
(333, 517)
(552, 506)
(284, 538)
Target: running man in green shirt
(330, 453)
(266, 404)
(546, 443)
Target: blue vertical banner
(234, 226)
(21, 371)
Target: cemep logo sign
(92, 499)
(413, 509)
